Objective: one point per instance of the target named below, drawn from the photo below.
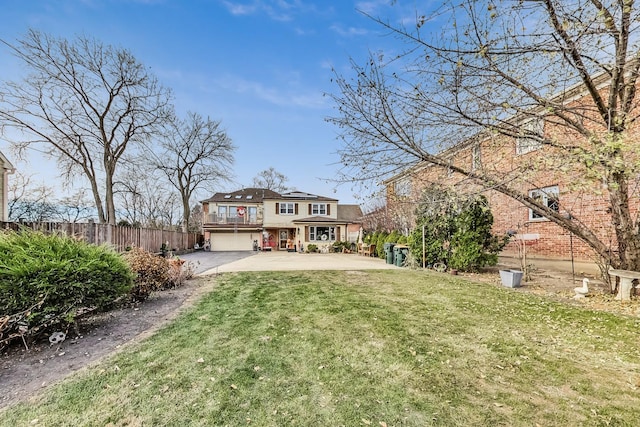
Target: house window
(322, 234)
(318, 208)
(476, 161)
(287, 209)
(402, 187)
(233, 214)
(548, 197)
(531, 132)
(252, 212)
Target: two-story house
(261, 219)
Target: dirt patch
(24, 373)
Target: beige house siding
(6, 169)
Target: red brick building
(541, 171)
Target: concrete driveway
(223, 262)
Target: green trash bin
(388, 251)
(400, 254)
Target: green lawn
(379, 348)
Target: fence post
(91, 232)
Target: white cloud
(348, 31)
(240, 9)
(372, 7)
(283, 97)
(278, 10)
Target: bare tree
(495, 69)
(196, 152)
(271, 179)
(143, 203)
(30, 202)
(76, 207)
(85, 104)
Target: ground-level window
(322, 234)
(548, 197)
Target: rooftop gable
(5, 163)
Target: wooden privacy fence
(120, 237)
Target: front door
(284, 238)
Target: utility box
(389, 253)
(400, 254)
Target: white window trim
(284, 208)
(548, 195)
(314, 237)
(402, 187)
(318, 209)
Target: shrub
(179, 272)
(371, 238)
(49, 280)
(382, 236)
(457, 231)
(312, 248)
(392, 237)
(151, 273)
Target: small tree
(455, 231)
(382, 237)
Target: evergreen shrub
(49, 279)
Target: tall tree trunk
(186, 214)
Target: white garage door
(233, 241)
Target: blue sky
(260, 67)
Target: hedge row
(50, 280)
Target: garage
(233, 241)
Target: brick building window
(531, 132)
(476, 160)
(402, 187)
(547, 196)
